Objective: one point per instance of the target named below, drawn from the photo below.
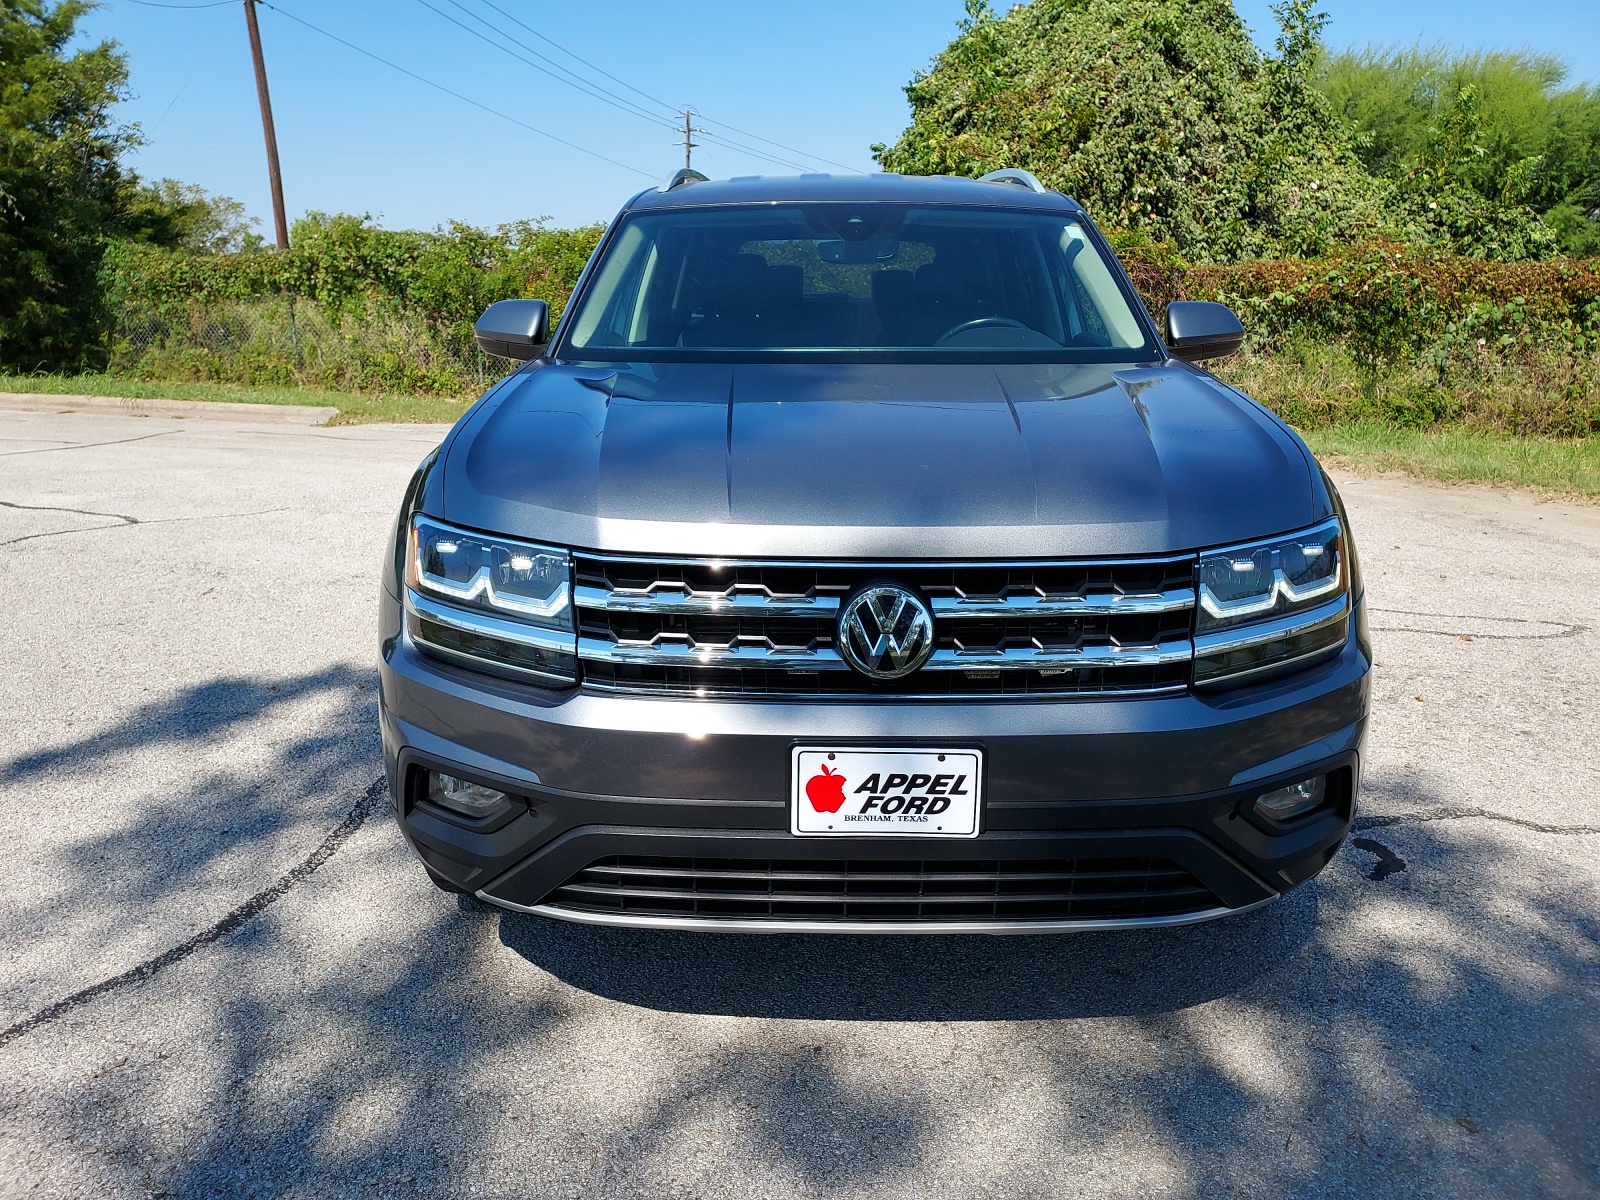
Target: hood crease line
(727, 454)
(1027, 449)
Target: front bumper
(614, 779)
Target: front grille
(983, 891)
(761, 629)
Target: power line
(567, 76)
(616, 102)
(728, 143)
(669, 107)
(204, 58)
(780, 145)
(552, 42)
(573, 80)
(544, 133)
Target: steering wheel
(978, 323)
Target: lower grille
(864, 891)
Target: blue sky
(823, 78)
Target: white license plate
(883, 793)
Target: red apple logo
(826, 791)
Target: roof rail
(1015, 176)
(682, 177)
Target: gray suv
(859, 556)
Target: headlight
(491, 601)
(1268, 605)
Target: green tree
(1308, 190)
(1436, 201)
(59, 179)
(1160, 115)
(1492, 140)
(183, 216)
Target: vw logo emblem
(885, 632)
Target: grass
(1524, 422)
(1565, 467)
(1544, 392)
(354, 407)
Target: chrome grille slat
(722, 627)
(711, 603)
(1019, 659)
(1036, 658)
(1104, 604)
(1101, 604)
(643, 654)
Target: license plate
(863, 792)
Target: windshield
(848, 279)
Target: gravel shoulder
(189, 733)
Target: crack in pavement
(362, 809)
(1564, 629)
(1361, 824)
(60, 508)
(235, 918)
(145, 437)
(82, 512)
(260, 512)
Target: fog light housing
(1287, 803)
(462, 796)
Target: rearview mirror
(1199, 329)
(873, 250)
(517, 329)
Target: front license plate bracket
(898, 792)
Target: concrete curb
(206, 410)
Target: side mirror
(518, 329)
(1199, 329)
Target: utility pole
(279, 221)
(689, 144)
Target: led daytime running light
(480, 589)
(1284, 601)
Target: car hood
(863, 461)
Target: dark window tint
(871, 277)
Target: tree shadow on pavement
(1429, 1030)
(195, 714)
(158, 823)
(917, 978)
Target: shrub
(1387, 303)
(349, 306)
(1378, 330)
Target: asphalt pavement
(222, 974)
